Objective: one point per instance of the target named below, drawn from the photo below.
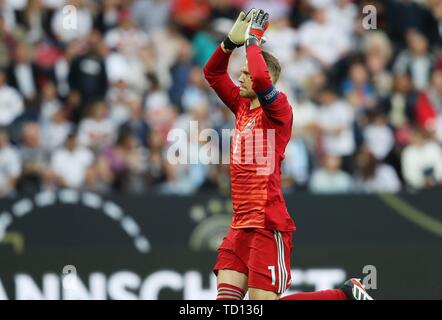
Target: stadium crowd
(88, 96)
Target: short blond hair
(273, 65)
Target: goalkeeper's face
(245, 84)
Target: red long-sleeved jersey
(256, 183)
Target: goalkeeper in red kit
(255, 254)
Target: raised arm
(215, 70)
(261, 80)
(274, 104)
(216, 75)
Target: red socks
(229, 292)
(335, 294)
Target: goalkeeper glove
(257, 28)
(237, 35)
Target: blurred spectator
(133, 55)
(87, 73)
(436, 34)
(35, 20)
(118, 98)
(342, 14)
(378, 53)
(422, 161)
(8, 40)
(62, 65)
(357, 88)
(378, 136)
(282, 39)
(180, 72)
(121, 69)
(218, 179)
(136, 123)
(8, 14)
(415, 60)
(300, 12)
(11, 102)
(190, 15)
(194, 94)
(301, 68)
(157, 163)
(400, 105)
(429, 103)
(224, 9)
(52, 4)
(126, 37)
(184, 179)
(305, 121)
(151, 15)
(46, 55)
(10, 164)
(323, 40)
(315, 84)
(204, 43)
(98, 177)
(330, 178)
(438, 126)
(151, 66)
(275, 8)
(159, 113)
(107, 17)
(405, 15)
(374, 176)
(96, 130)
(72, 106)
(50, 102)
(295, 168)
(36, 172)
(79, 159)
(335, 119)
(169, 50)
(126, 161)
(23, 73)
(55, 131)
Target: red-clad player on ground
(255, 254)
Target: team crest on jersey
(249, 126)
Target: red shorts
(262, 254)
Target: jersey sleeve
(218, 78)
(274, 103)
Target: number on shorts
(272, 270)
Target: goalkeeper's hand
(239, 32)
(257, 28)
